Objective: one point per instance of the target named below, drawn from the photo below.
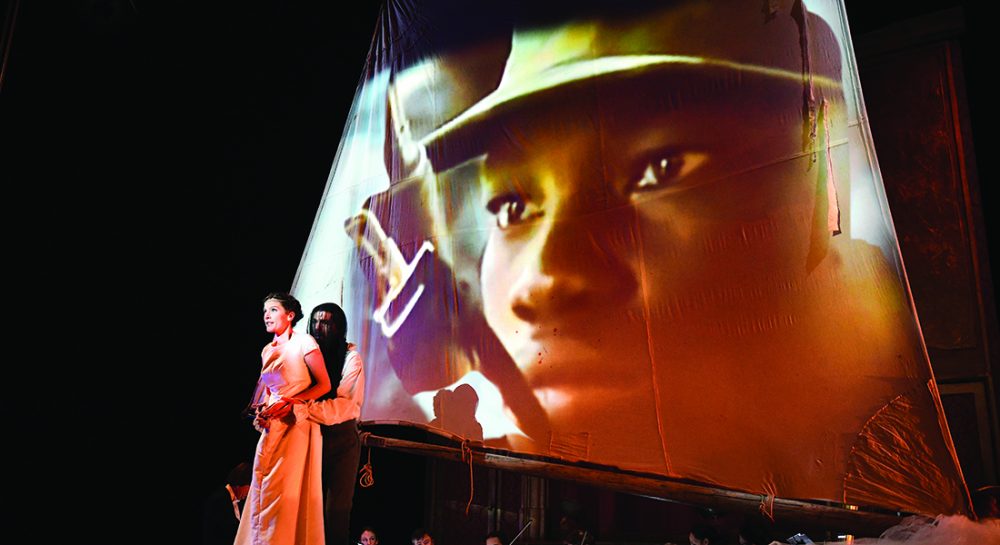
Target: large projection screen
(653, 238)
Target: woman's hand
(261, 424)
(278, 409)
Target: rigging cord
(467, 456)
(766, 506)
(367, 478)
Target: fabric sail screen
(653, 238)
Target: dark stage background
(163, 163)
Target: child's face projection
(616, 230)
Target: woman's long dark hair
(334, 346)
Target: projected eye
(665, 170)
(513, 209)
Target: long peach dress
(285, 505)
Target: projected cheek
(505, 260)
(523, 207)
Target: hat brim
(464, 136)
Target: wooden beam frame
(850, 519)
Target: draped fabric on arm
(350, 395)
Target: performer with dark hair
(285, 501)
(338, 412)
(703, 534)
(421, 536)
(368, 536)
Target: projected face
(613, 244)
(618, 230)
(629, 216)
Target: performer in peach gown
(285, 505)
